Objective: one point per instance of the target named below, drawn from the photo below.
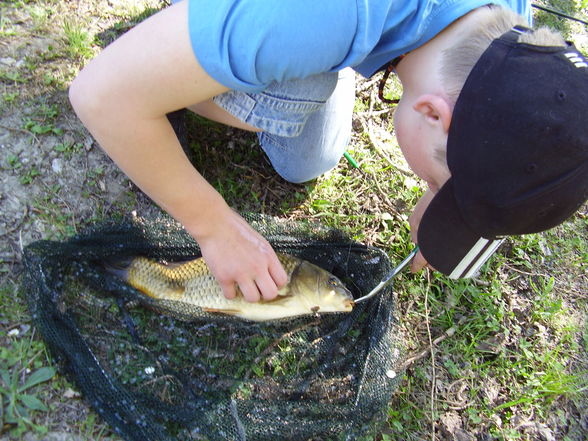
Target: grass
(524, 349)
(510, 348)
(23, 370)
(78, 40)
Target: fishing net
(156, 374)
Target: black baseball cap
(517, 151)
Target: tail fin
(118, 267)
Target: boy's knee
(75, 94)
(307, 171)
(84, 98)
(298, 166)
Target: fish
(310, 289)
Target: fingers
(250, 290)
(262, 285)
(229, 289)
(266, 284)
(277, 272)
(253, 289)
(268, 290)
(419, 262)
(417, 214)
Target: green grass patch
(23, 369)
(78, 41)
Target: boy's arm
(123, 96)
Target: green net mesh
(158, 375)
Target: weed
(38, 128)
(51, 80)
(13, 162)
(40, 16)
(26, 173)
(48, 112)
(43, 122)
(12, 76)
(92, 429)
(78, 40)
(9, 97)
(68, 148)
(18, 399)
(6, 27)
(53, 213)
(29, 175)
(19, 403)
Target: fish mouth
(349, 304)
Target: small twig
(408, 309)
(379, 148)
(434, 317)
(250, 169)
(383, 195)
(71, 212)
(368, 84)
(560, 14)
(238, 423)
(160, 378)
(481, 282)
(463, 402)
(15, 129)
(276, 342)
(559, 288)
(19, 224)
(428, 350)
(372, 100)
(516, 270)
(453, 405)
(20, 243)
(375, 112)
(433, 374)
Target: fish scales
(191, 280)
(309, 289)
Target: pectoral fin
(284, 291)
(175, 291)
(221, 311)
(276, 300)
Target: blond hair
(459, 59)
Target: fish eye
(333, 282)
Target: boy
(494, 157)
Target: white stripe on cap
(484, 257)
(475, 258)
(576, 58)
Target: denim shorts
(306, 123)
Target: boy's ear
(436, 110)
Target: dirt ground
(53, 177)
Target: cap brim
(447, 242)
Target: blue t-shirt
(247, 44)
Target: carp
(310, 289)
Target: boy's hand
(419, 262)
(238, 255)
